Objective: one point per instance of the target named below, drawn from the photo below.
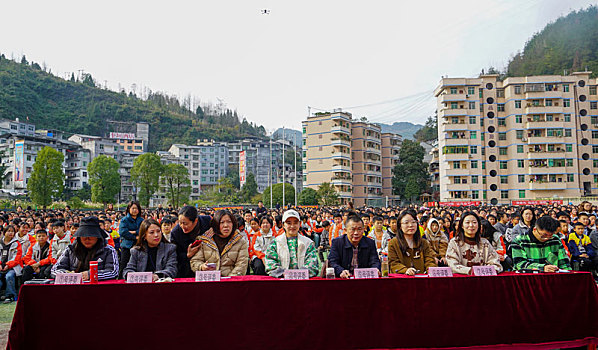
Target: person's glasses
(409, 223)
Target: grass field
(6, 313)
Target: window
(517, 89)
(519, 134)
(502, 136)
(595, 163)
(456, 165)
(594, 134)
(570, 178)
(594, 149)
(503, 164)
(454, 105)
(500, 93)
(593, 105)
(504, 179)
(504, 194)
(484, 162)
(519, 148)
(474, 164)
(475, 194)
(518, 119)
(593, 90)
(569, 147)
(453, 90)
(474, 179)
(473, 149)
(502, 151)
(471, 105)
(457, 180)
(567, 132)
(500, 107)
(567, 103)
(521, 193)
(567, 118)
(502, 122)
(472, 120)
(549, 117)
(481, 94)
(569, 162)
(520, 163)
(548, 103)
(470, 90)
(521, 178)
(518, 104)
(473, 135)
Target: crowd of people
(36, 245)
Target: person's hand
(443, 260)
(411, 271)
(321, 247)
(5, 268)
(436, 260)
(35, 266)
(155, 277)
(550, 268)
(85, 275)
(192, 250)
(36, 269)
(584, 255)
(345, 274)
(205, 267)
(470, 271)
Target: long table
(527, 310)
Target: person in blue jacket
(128, 231)
(353, 250)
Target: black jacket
(341, 254)
(106, 257)
(182, 241)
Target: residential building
(190, 158)
(366, 164)
(522, 138)
(214, 163)
(391, 146)
(434, 170)
(262, 158)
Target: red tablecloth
(530, 311)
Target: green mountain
(568, 44)
(405, 129)
(79, 106)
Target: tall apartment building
(214, 162)
(189, 156)
(349, 155)
(530, 137)
(262, 158)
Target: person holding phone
(222, 247)
(152, 253)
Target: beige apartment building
(522, 138)
(349, 154)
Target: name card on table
(68, 278)
(484, 271)
(440, 272)
(139, 277)
(366, 273)
(207, 276)
(296, 274)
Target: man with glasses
(352, 250)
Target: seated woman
(89, 245)
(408, 252)
(258, 245)
(468, 248)
(438, 241)
(224, 246)
(291, 250)
(152, 253)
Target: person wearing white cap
(291, 250)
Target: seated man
(352, 250)
(540, 248)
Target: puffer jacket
(34, 255)
(105, 256)
(127, 240)
(232, 262)
(438, 241)
(58, 246)
(15, 255)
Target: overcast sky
(271, 67)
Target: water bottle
(385, 265)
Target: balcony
(340, 142)
(373, 150)
(461, 187)
(547, 186)
(461, 126)
(448, 112)
(546, 170)
(345, 194)
(337, 129)
(448, 98)
(341, 155)
(542, 154)
(341, 182)
(372, 138)
(544, 124)
(543, 94)
(344, 168)
(541, 109)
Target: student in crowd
(260, 244)
(540, 248)
(528, 219)
(38, 260)
(11, 255)
(324, 246)
(352, 250)
(183, 235)
(60, 241)
(503, 221)
(291, 250)
(152, 253)
(438, 242)
(580, 247)
(468, 248)
(166, 227)
(25, 238)
(378, 233)
(224, 246)
(90, 245)
(337, 227)
(128, 231)
(391, 232)
(408, 252)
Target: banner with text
(242, 169)
(19, 172)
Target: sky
(378, 59)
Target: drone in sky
(265, 12)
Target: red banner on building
(242, 168)
(534, 202)
(460, 204)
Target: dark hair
(378, 218)
(218, 217)
(132, 203)
(417, 237)
(266, 218)
(189, 212)
(145, 225)
(533, 222)
(58, 223)
(325, 223)
(84, 255)
(41, 231)
(547, 223)
(14, 228)
(515, 215)
(354, 218)
(577, 224)
(167, 220)
(487, 230)
(583, 213)
(240, 221)
(392, 218)
(562, 213)
(460, 234)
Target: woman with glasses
(408, 252)
(468, 248)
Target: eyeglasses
(409, 223)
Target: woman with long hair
(128, 231)
(408, 252)
(152, 253)
(527, 222)
(468, 248)
(222, 247)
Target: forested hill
(568, 44)
(80, 106)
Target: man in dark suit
(352, 250)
